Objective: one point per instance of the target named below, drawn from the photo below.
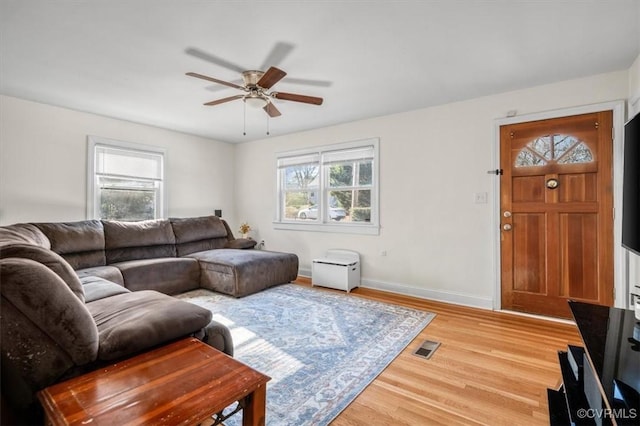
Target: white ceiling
(128, 59)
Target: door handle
(506, 227)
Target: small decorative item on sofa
(244, 229)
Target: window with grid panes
(330, 188)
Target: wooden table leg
(254, 407)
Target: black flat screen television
(631, 186)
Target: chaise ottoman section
(243, 272)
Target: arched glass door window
(554, 149)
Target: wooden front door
(556, 213)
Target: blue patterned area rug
(320, 348)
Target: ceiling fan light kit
(255, 101)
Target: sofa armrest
(241, 243)
(217, 336)
(42, 297)
(48, 258)
(45, 330)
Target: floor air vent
(426, 349)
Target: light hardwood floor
(492, 368)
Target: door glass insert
(554, 149)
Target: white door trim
(621, 286)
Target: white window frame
(324, 224)
(94, 142)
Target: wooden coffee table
(183, 383)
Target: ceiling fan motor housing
(252, 77)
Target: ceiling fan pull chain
(268, 125)
(244, 125)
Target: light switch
(480, 197)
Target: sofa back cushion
(79, 243)
(147, 239)
(196, 234)
(23, 233)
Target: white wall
(43, 155)
(439, 243)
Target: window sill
(340, 228)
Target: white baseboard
(305, 273)
(421, 293)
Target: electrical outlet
(383, 252)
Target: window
(126, 181)
(332, 188)
(550, 149)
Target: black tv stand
(601, 382)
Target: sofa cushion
(80, 243)
(198, 234)
(132, 322)
(26, 233)
(243, 272)
(147, 239)
(96, 288)
(169, 275)
(48, 258)
(108, 272)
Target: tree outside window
(301, 187)
(350, 185)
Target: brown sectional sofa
(77, 295)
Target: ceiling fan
(256, 90)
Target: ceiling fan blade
(271, 77)
(213, 59)
(223, 100)
(280, 51)
(271, 109)
(217, 87)
(297, 98)
(215, 80)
